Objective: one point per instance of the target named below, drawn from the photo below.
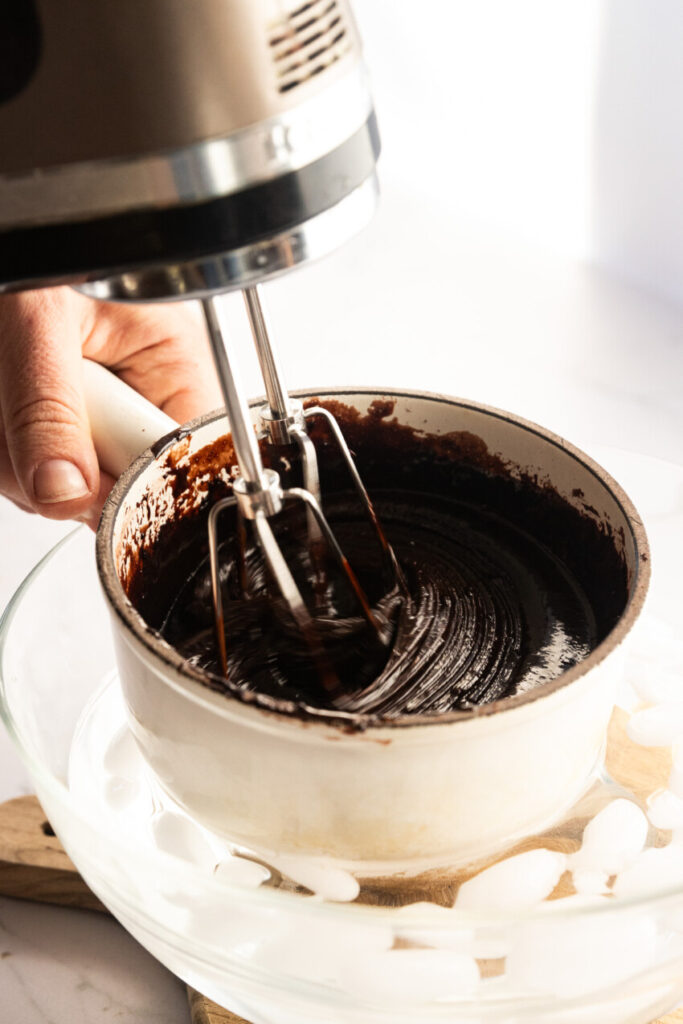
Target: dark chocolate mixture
(505, 583)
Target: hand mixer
(156, 150)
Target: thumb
(41, 398)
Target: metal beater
(258, 493)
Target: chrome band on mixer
(249, 264)
(195, 174)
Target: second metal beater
(258, 494)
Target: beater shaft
(278, 399)
(243, 437)
(258, 494)
(283, 418)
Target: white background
(555, 120)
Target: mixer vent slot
(307, 41)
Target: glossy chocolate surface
(507, 584)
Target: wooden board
(34, 866)
(33, 863)
(205, 1012)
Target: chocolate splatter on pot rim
(462, 445)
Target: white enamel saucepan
(399, 796)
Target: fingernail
(58, 480)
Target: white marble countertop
(418, 301)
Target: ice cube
(654, 869)
(325, 880)
(513, 884)
(665, 809)
(658, 726)
(240, 871)
(613, 839)
(179, 836)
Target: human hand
(47, 458)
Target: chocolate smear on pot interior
(505, 579)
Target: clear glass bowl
(276, 953)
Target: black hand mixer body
(156, 149)
(162, 150)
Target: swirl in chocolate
(488, 613)
(502, 592)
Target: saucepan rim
(191, 678)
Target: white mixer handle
(122, 422)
